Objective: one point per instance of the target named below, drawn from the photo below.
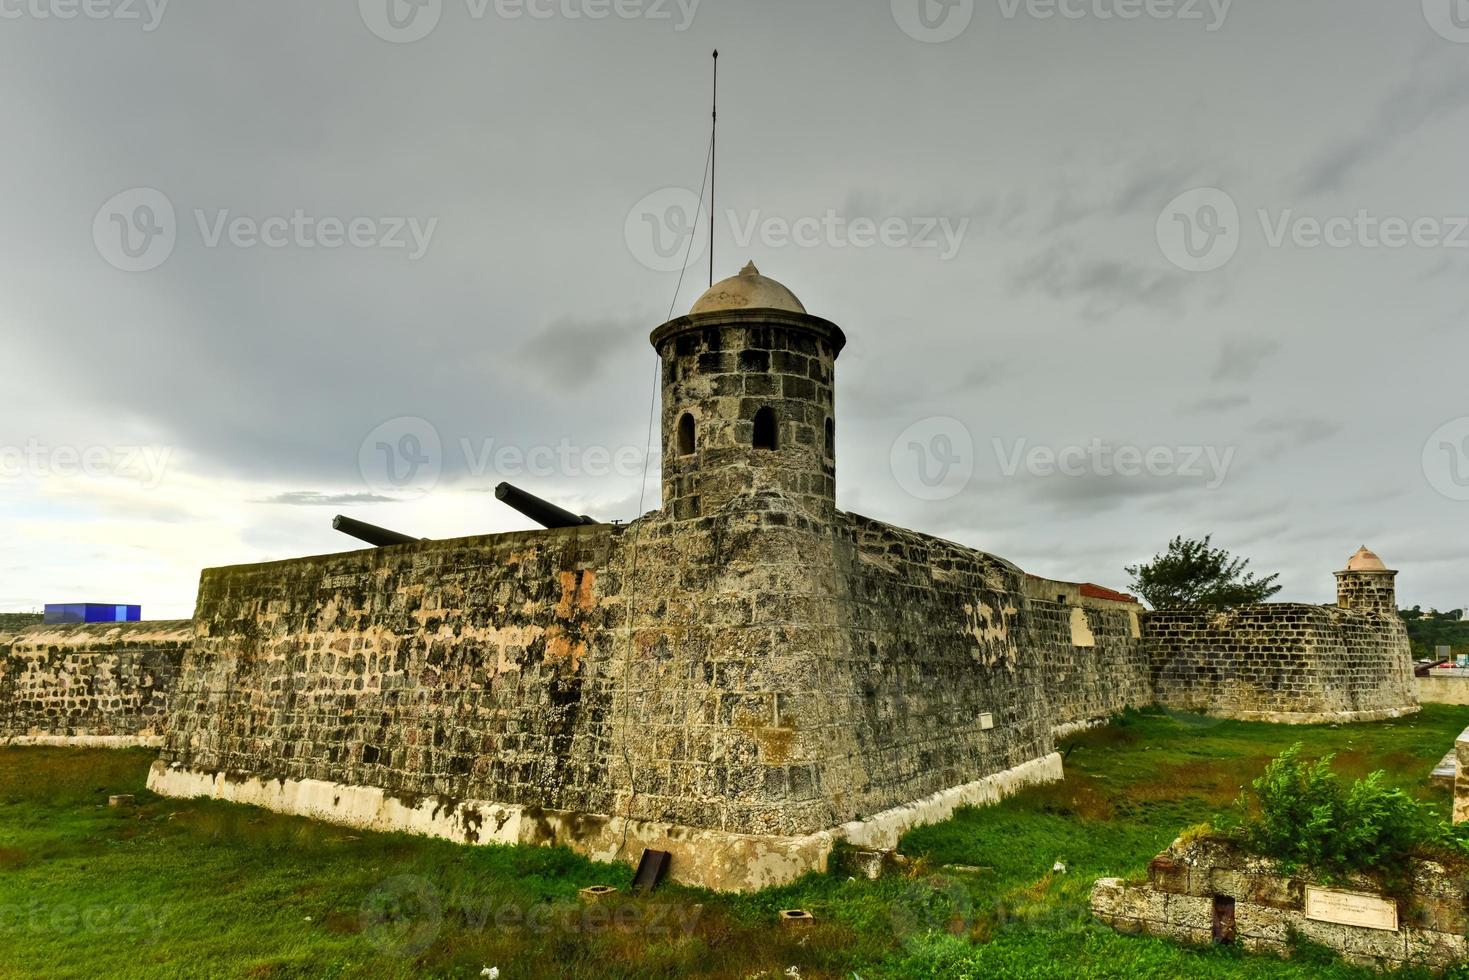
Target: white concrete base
(85, 741)
(1442, 686)
(707, 858)
(1317, 718)
(881, 831)
(1076, 728)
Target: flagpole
(713, 160)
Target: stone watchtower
(748, 399)
(1366, 585)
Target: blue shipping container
(91, 612)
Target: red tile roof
(1101, 592)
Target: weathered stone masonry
(1286, 662)
(751, 697)
(1282, 663)
(1265, 905)
(104, 684)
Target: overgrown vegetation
(1191, 573)
(1427, 631)
(195, 888)
(1303, 813)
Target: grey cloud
(1294, 433)
(1106, 287)
(313, 498)
(1214, 404)
(1439, 87)
(575, 352)
(526, 322)
(1242, 357)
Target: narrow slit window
(765, 435)
(686, 435)
(831, 439)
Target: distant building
(91, 612)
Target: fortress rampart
(740, 688)
(1282, 662)
(105, 684)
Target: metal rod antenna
(713, 161)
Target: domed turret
(748, 399)
(1366, 585)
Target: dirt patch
(1075, 796)
(1217, 781)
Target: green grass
(198, 888)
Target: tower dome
(748, 291)
(1365, 561)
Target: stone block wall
(1281, 663)
(1096, 665)
(755, 673)
(927, 638)
(1367, 591)
(722, 369)
(104, 684)
(1185, 884)
(467, 668)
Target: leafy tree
(1193, 574)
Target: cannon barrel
(378, 537)
(542, 512)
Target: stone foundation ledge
(1177, 901)
(1299, 717)
(1071, 728)
(85, 741)
(713, 859)
(882, 830)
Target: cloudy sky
(1110, 270)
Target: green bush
(1303, 813)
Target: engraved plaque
(986, 722)
(1351, 909)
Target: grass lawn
(198, 888)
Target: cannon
(542, 512)
(378, 537)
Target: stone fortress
(741, 678)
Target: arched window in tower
(765, 434)
(831, 439)
(686, 435)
